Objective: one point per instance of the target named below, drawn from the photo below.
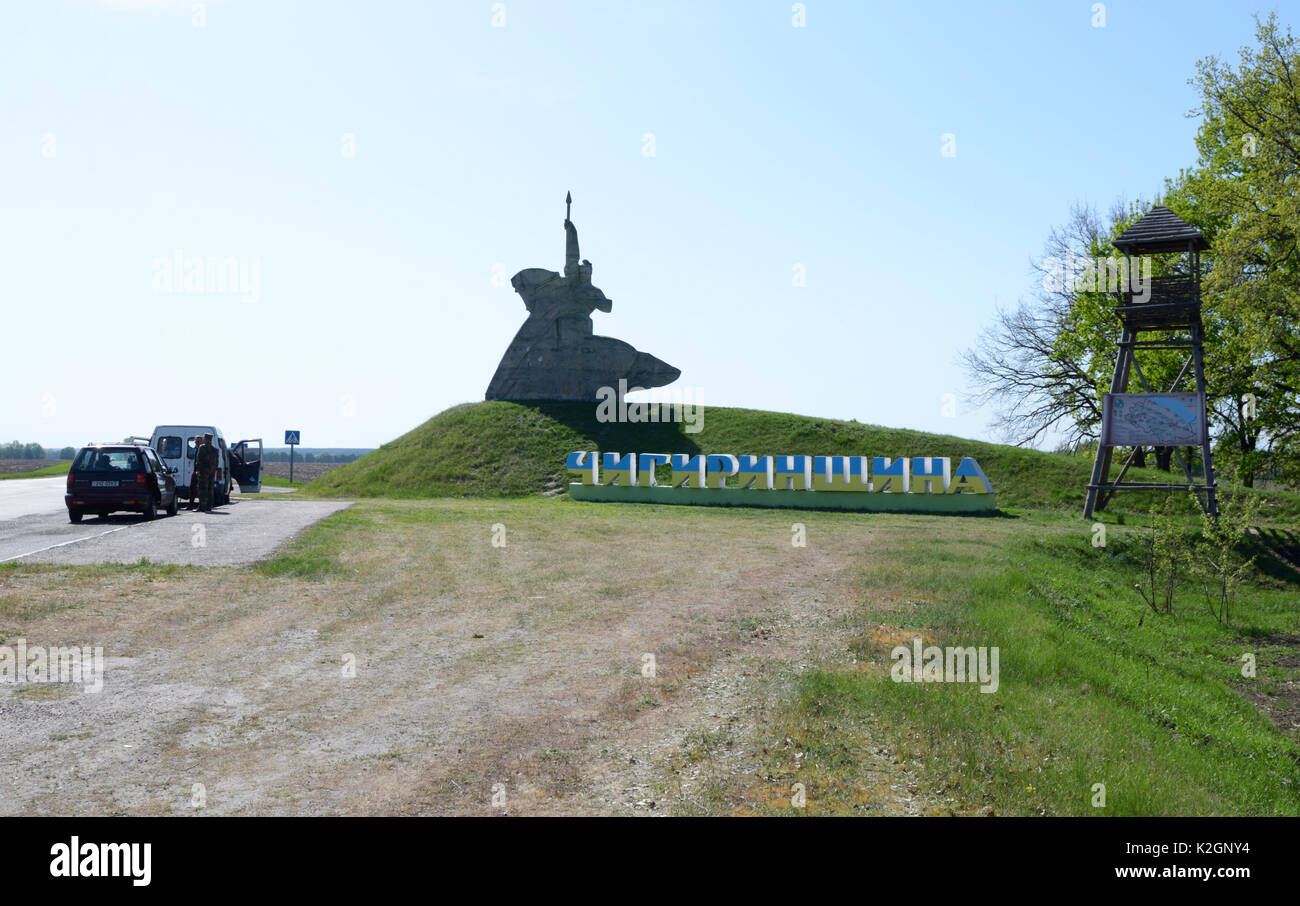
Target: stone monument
(554, 356)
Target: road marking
(65, 544)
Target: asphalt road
(34, 527)
(28, 496)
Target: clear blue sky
(127, 133)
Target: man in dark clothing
(205, 466)
(196, 442)
(193, 503)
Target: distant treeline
(18, 450)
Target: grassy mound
(500, 449)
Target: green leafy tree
(1245, 181)
(1044, 364)
(19, 450)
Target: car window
(189, 448)
(169, 447)
(92, 460)
(152, 457)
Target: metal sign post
(291, 440)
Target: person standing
(193, 503)
(205, 466)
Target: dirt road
(423, 671)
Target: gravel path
(436, 674)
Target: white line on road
(66, 543)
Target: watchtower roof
(1161, 230)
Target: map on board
(1153, 419)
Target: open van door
(246, 465)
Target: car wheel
(172, 507)
(150, 511)
(75, 516)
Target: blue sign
(291, 438)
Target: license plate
(103, 484)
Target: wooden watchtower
(1170, 318)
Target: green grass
(314, 555)
(1157, 712)
(59, 468)
(1091, 690)
(499, 449)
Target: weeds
(1211, 556)
(1214, 559)
(1163, 558)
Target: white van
(239, 463)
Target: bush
(1215, 560)
(1164, 555)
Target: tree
(1245, 179)
(68, 453)
(1036, 384)
(1045, 364)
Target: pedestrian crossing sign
(291, 438)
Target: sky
(377, 170)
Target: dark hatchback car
(106, 478)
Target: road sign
(291, 440)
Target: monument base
(800, 500)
